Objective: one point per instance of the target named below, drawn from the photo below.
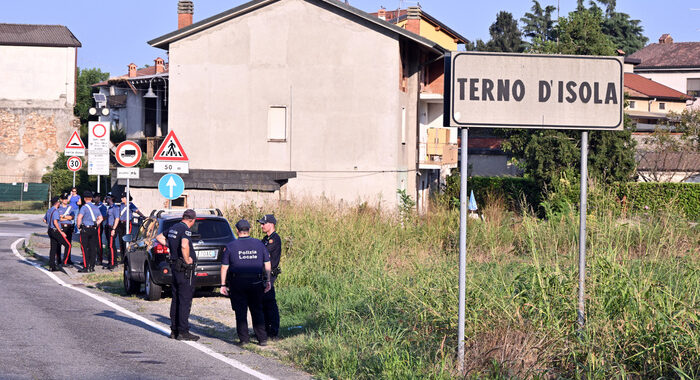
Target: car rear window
(204, 228)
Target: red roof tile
(638, 84)
(146, 71)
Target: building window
(277, 123)
(693, 87)
(632, 103)
(179, 202)
(662, 106)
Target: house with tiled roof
(37, 96)
(138, 103)
(673, 64)
(650, 101)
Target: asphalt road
(52, 331)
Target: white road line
(165, 330)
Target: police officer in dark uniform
(273, 243)
(245, 274)
(57, 236)
(89, 218)
(183, 262)
(67, 215)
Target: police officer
(67, 221)
(125, 216)
(245, 277)
(55, 234)
(273, 243)
(183, 261)
(97, 200)
(111, 230)
(89, 218)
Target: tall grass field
(366, 294)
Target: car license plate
(208, 254)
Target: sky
(114, 32)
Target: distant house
(138, 103)
(37, 96)
(650, 101)
(674, 64)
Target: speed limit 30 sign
(74, 164)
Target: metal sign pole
(128, 212)
(462, 248)
(73, 179)
(582, 232)
(98, 184)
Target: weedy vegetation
(367, 294)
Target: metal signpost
(171, 186)
(128, 154)
(501, 90)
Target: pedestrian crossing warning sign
(75, 142)
(171, 149)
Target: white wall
(676, 80)
(339, 80)
(41, 73)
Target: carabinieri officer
(183, 261)
(89, 218)
(55, 234)
(111, 230)
(67, 222)
(245, 277)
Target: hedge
(640, 196)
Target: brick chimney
(665, 39)
(413, 19)
(132, 70)
(185, 10)
(382, 14)
(160, 65)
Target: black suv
(146, 260)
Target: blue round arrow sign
(171, 186)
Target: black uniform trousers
(247, 293)
(119, 236)
(57, 241)
(111, 245)
(89, 243)
(271, 311)
(68, 230)
(181, 303)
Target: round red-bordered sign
(95, 130)
(74, 164)
(128, 154)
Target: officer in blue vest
(111, 231)
(67, 221)
(89, 218)
(245, 277)
(97, 200)
(55, 234)
(182, 263)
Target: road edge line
(165, 330)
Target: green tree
(84, 91)
(625, 33)
(539, 23)
(549, 155)
(505, 35)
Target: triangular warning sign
(74, 142)
(171, 150)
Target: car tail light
(161, 249)
(201, 274)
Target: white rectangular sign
(78, 152)
(98, 162)
(98, 135)
(128, 173)
(533, 91)
(171, 167)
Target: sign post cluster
(501, 90)
(75, 148)
(171, 158)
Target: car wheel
(130, 285)
(153, 290)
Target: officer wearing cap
(273, 243)
(89, 218)
(67, 221)
(245, 276)
(183, 261)
(55, 234)
(97, 200)
(125, 216)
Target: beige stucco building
(295, 100)
(37, 95)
